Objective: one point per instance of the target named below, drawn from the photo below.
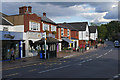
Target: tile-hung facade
(93, 34)
(64, 36)
(11, 37)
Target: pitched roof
(77, 26)
(3, 15)
(67, 26)
(4, 20)
(92, 29)
(80, 26)
(46, 19)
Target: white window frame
(68, 32)
(44, 26)
(62, 29)
(53, 28)
(33, 24)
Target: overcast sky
(97, 12)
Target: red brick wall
(32, 17)
(82, 43)
(74, 34)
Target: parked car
(116, 44)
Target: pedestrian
(12, 54)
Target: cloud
(113, 13)
(60, 11)
(95, 17)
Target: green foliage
(109, 30)
(54, 32)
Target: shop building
(64, 36)
(11, 37)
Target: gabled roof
(80, 26)
(4, 20)
(45, 19)
(92, 29)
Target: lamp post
(44, 36)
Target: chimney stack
(30, 9)
(22, 10)
(44, 14)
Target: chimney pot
(44, 14)
(30, 9)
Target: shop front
(66, 43)
(11, 40)
(51, 47)
(31, 38)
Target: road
(100, 63)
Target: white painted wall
(84, 35)
(94, 36)
(18, 28)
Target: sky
(59, 12)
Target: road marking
(32, 70)
(53, 69)
(68, 56)
(89, 60)
(99, 56)
(105, 53)
(12, 74)
(82, 61)
(110, 50)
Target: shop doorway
(23, 50)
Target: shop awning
(49, 40)
(67, 40)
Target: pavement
(6, 65)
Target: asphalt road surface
(100, 63)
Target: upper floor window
(34, 26)
(62, 31)
(53, 28)
(45, 27)
(87, 34)
(68, 32)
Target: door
(23, 50)
(75, 44)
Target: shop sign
(34, 35)
(8, 36)
(5, 28)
